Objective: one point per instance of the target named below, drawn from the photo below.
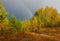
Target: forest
(47, 18)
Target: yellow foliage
(25, 24)
(47, 15)
(43, 16)
(58, 17)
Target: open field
(46, 34)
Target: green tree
(14, 23)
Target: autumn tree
(3, 19)
(51, 15)
(3, 16)
(58, 20)
(3, 13)
(41, 16)
(46, 16)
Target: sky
(27, 8)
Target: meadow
(43, 26)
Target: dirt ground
(46, 34)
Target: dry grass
(47, 34)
